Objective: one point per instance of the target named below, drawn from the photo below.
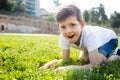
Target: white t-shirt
(92, 37)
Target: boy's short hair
(70, 10)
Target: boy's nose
(68, 30)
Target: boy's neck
(78, 41)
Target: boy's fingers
(43, 67)
(49, 64)
(57, 70)
(60, 69)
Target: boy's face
(70, 28)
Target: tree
(57, 3)
(5, 5)
(19, 8)
(101, 9)
(115, 20)
(94, 17)
(102, 16)
(98, 16)
(86, 15)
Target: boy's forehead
(67, 18)
(60, 23)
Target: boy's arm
(94, 58)
(65, 56)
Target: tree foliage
(50, 18)
(5, 5)
(102, 15)
(57, 3)
(86, 15)
(115, 20)
(96, 16)
(19, 7)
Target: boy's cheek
(62, 31)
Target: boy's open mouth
(71, 36)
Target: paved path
(27, 34)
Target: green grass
(21, 56)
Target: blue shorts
(108, 48)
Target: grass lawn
(21, 56)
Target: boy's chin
(72, 42)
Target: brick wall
(24, 25)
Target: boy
(97, 44)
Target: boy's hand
(49, 64)
(71, 67)
(59, 69)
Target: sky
(109, 5)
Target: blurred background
(38, 16)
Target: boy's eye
(72, 24)
(62, 27)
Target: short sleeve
(92, 42)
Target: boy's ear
(83, 23)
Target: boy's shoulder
(88, 27)
(88, 30)
(94, 28)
